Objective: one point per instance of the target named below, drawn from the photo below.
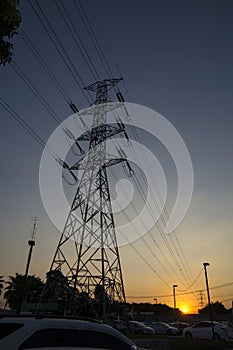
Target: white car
(229, 328)
(204, 330)
(32, 333)
(164, 328)
(136, 327)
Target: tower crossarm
(114, 162)
(101, 133)
(108, 107)
(81, 165)
(108, 83)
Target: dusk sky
(176, 58)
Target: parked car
(28, 333)
(180, 325)
(229, 328)
(204, 330)
(136, 327)
(164, 328)
(121, 326)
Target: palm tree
(16, 285)
(1, 284)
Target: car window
(52, 337)
(202, 325)
(207, 324)
(95, 339)
(8, 328)
(48, 338)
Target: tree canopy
(15, 286)
(217, 308)
(1, 284)
(10, 19)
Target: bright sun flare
(184, 310)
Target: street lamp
(156, 311)
(208, 294)
(174, 294)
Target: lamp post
(208, 295)
(174, 294)
(156, 311)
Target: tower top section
(101, 89)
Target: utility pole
(174, 294)
(232, 309)
(208, 294)
(156, 311)
(87, 253)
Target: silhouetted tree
(10, 19)
(101, 297)
(57, 291)
(15, 286)
(85, 306)
(217, 308)
(57, 286)
(1, 284)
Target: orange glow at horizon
(185, 310)
(188, 309)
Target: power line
(35, 136)
(196, 279)
(89, 28)
(164, 216)
(27, 127)
(36, 92)
(149, 171)
(196, 291)
(74, 33)
(135, 249)
(144, 241)
(141, 191)
(62, 52)
(44, 65)
(68, 134)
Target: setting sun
(184, 310)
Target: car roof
(40, 323)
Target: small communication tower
(31, 243)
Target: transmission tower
(201, 302)
(87, 253)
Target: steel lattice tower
(87, 252)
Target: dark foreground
(199, 344)
(180, 343)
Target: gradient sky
(176, 58)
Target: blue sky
(176, 58)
